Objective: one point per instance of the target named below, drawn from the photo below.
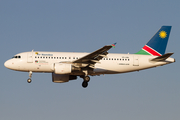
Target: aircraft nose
(7, 64)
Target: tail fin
(157, 44)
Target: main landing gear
(30, 75)
(86, 79)
(85, 82)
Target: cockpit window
(16, 57)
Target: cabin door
(136, 61)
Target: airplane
(66, 66)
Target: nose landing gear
(30, 75)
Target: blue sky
(85, 26)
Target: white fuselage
(111, 64)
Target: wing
(93, 58)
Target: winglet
(113, 45)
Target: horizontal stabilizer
(162, 58)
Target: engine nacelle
(62, 68)
(58, 78)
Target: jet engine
(62, 68)
(61, 78)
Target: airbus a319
(66, 66)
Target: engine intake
(62, 68)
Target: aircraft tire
(29, 80)
(86, 78)
(84, 84)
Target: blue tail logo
(157, 44)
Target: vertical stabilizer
(157, 44)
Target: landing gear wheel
(85, 84)
(86, 78)
(29, 80)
